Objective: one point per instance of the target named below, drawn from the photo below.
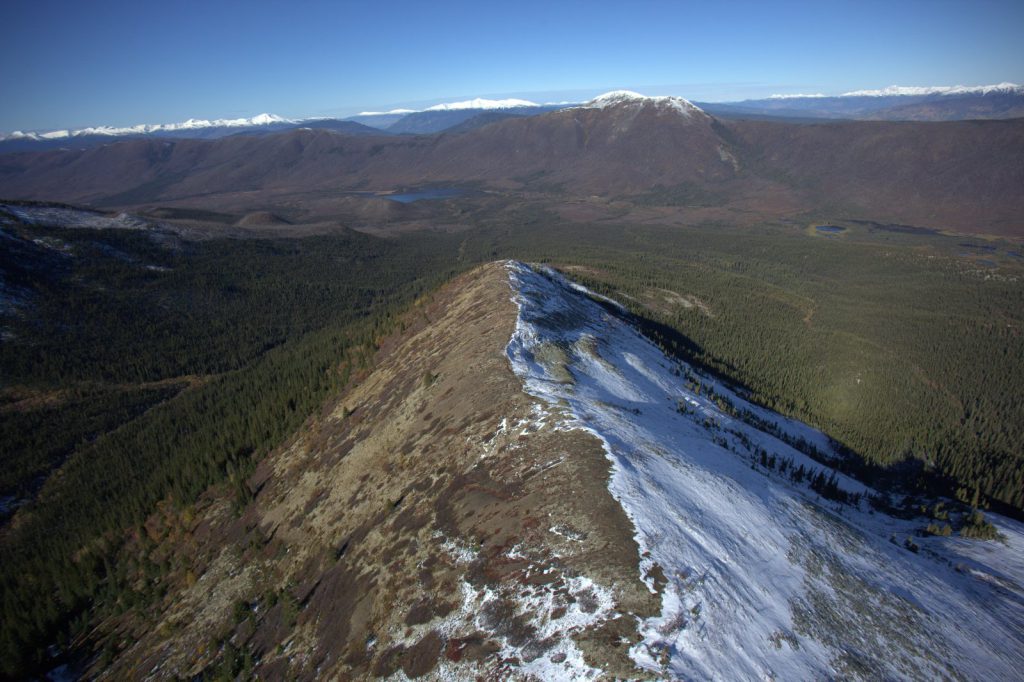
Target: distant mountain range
(1005, 100)
(461, 115)
(434, 119)
(660, 151)
(193, 129)
(895, 103)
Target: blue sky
(72, 64)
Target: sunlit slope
(759, 576)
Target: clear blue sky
(77, 63)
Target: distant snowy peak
(816, 95)
(393, 112)
(897, 90)
(147, 128)
(630, 98)
(480, 103)
(919, 91)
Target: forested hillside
(244, 338)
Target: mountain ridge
(468, 507)
(480, 104)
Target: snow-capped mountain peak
(917, 91)
(816, 95)
(146, 128)
(897, 90)
(393, 112)
(477, 103)
(630, 98)
(481, 103)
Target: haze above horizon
(67, 65)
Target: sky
(70, 64)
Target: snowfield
(759, 577)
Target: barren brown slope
(378, 531)
(619, 149)
(964, 175)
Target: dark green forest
(148, 368)
(265, 330)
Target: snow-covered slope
(630, 98)
(759, 577)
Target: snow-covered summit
(630, 98)
(148, 128)
(476, 103)
(481, 103)
(393, 112)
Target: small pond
(977, 247)
(830, 229)
(431, 193)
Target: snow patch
(459, 553)
(60, 216)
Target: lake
(432, 193)
(831, 229)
